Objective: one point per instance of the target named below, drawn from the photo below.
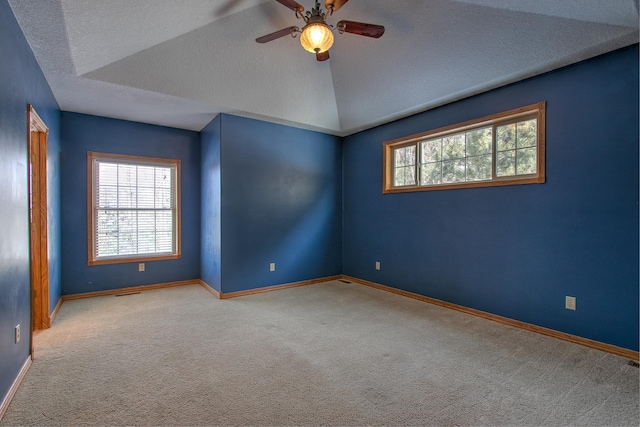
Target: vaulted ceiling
(179, 63)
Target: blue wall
(81, 133)
(262, 193)
(211, 230)
(21, 83)
(517, 251)
(281, 202)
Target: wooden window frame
(91, 216)
(537, 111)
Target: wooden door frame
(38, 223)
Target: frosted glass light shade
(316, 38)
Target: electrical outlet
(141, 266)
(272, 266)
(377, 265)
(570, 303)
(17, 333)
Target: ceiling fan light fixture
(316, 37)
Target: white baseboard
(14, 387)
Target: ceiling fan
(316, 36)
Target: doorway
(38, 224)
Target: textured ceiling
(179, 63)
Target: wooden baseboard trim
(277, 287)
(619, 351)
(14, 387)
(55, 311)
(130, 290)
(200, 282)
(209, 288)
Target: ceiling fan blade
(292, 4)
(362, 29)
(322, 56)
(334, 5)
(281, 33)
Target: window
(133, 208)
(503, 149)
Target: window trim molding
(138, 160)
(534, 110)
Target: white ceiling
(179, 63)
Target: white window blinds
(134, 208)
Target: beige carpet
(326, 354)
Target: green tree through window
(503, 149)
